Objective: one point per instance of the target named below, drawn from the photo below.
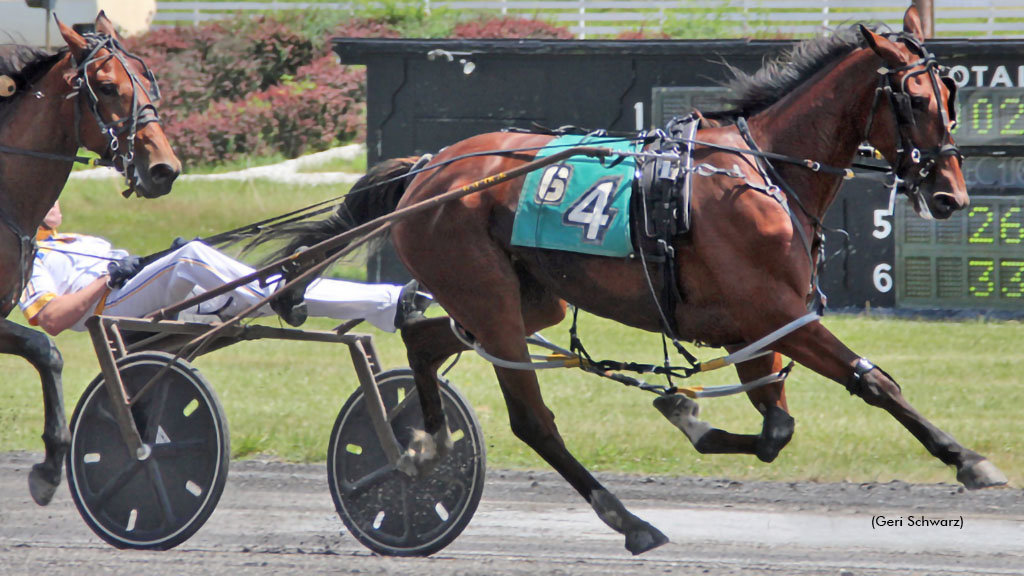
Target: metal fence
(603, 18)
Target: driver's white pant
(197, 268)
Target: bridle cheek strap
(141, 114)
(910, 156)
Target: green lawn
(281, 397)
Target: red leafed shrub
(642, 35)
(509, 28)
(365, 28)
(322, 104)
(225, 131)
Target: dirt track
(279, 518)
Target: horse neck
(824, 122)
(40, 120)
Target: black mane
(752, 93)
(24, 65)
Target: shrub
(510, 28)
(642, 35)
(365, 28)
(321, 105)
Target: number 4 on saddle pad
(578, 205)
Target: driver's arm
(62, 312)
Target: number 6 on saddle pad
(578, 205)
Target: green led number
(981, 116)
(1012, 274)
(979, 278)
(979, 234)
(1012, 104)
(1010, 229)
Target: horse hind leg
(500, 323)
(40, 351)
(777, 428)
(428, 343)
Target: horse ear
(76, 44)
(883, 47)
(105, 26)
(912, 23)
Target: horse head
(911, 120)
(120, 92)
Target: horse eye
(919, 102)
(107, 89)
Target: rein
(52, 156)
(909, 155)
(129, 125)
(141, 115)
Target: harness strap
(26, 253)
(764, 166)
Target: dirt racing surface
(278, 518)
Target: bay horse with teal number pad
(91, 94)
(742, 262)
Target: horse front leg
(533, 423)
(40, 351)
(770, 400)
(817, 348)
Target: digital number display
(989, 116)
(975, 259)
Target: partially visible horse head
(119, 91)
(912, 118)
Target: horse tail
(374, 195)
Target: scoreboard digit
(975, 259)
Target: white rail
(597, 18)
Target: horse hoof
(682, 412)
(981, 474)
(776, 433)
(645, 538)
(42, 485)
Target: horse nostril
(162, 174)
(945, 205)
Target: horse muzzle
(944, 204)
(154, 181)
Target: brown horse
(91, 94)
(746, 267)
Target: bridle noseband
(130, 125)
(913, 163)
(143, 114)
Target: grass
(281, 397)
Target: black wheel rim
(156, 501)
(386, 510)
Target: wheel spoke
(360, 486)
(156, 413)
(103, 414)
(160, 490)
(394, 412)
(177, 448)
(407, 535)
(115, 484)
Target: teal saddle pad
(579, 204)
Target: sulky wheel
(386, 510)
(160, 501)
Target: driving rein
(123, 161)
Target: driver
(75, 276)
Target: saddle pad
(578, 205)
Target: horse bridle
(914, 164)
(129, 125)
(140, 116)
